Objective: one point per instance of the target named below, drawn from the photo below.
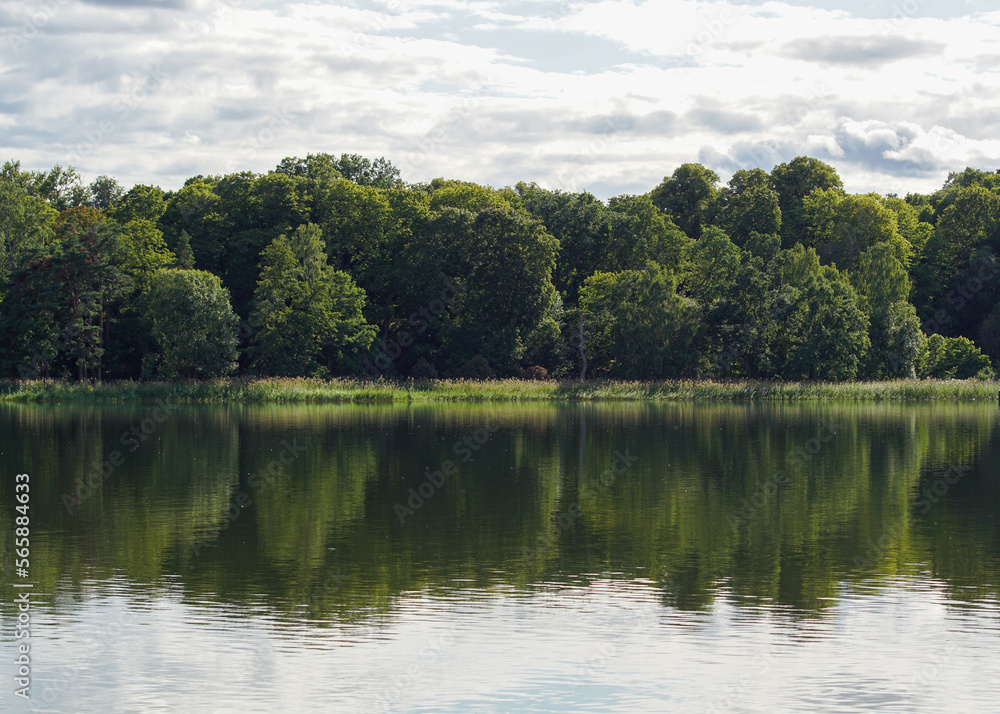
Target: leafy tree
(826, 330)
(193, 325)
(104, 191)
(989, 334)
(591, 236)
(714, 262)
(467, 196)
(896, 342)
(638, 326)
(197, 209)
(910, 223)
(309, 317)
(185, 258)
(139, 203)
(794, 181)
(56, 312)
(972, 221)
(748, 205)
(953, 358)
(59, 186)
(26, 224)
(651, 234)
(379, 173)
(141, 252)
(840, 227)
(742, 326)
(880, 278)
(688, 195)
(503, 266)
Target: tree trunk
(583, 356)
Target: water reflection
(327, 512)
(532, 557)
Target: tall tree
(56, 312)
(638, 326)
(26, 223)
(193, 324)
(308, 316)
(748, 205)
(688, 196)
(795, 180)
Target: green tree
(141, 252)
(972, 221)
(104, 191)
(309, 317)
(56, 312)
(714, 263)
(826, 330)
(379, 173)
(591, 236)
(793, 181)
(841, 227)
(896, 342)
(989, 334)
(197, 209)
(637, 326)
(650, 233)
(502, 265)
(26, 224)
(139, 203)
(193, 325)
(688, 195)
(953, 358)
(748, 205)
(880, 278)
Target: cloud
(870, 51)
(491, 91)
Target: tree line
(331, 266)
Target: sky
(607, 96)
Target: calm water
(618, 557)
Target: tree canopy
(332, 265)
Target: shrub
(423, 369)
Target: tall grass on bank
(500, 390)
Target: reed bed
(498, 390)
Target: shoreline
(277, 390)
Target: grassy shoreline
(508, 390)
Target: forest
(332, 266)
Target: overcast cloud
(607, 95)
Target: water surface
(580, 557)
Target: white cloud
(467, 90)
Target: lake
(467, 557)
